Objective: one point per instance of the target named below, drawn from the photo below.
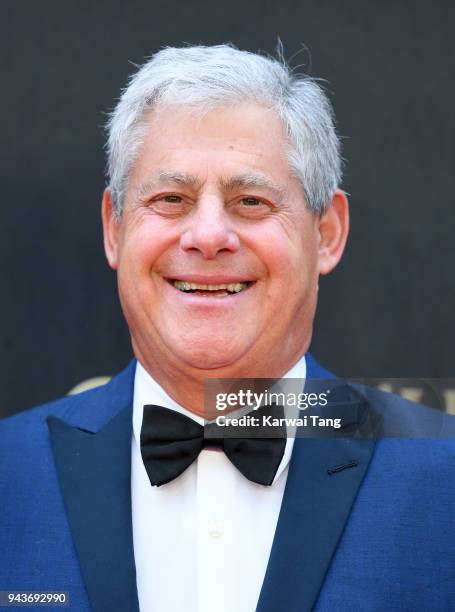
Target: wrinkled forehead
(246, 142)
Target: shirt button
(215, 530)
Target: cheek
(286, 245)
(145, 238)
(141, 249)
(292, 263)
(297, 275)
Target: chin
(209, 355)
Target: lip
(218, 279)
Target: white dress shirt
(202, 541)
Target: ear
(111, 228)
(333, 232)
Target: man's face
(211, 203)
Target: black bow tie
(171, 441)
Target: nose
(210, 230)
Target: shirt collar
(148, 391)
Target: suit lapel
(314, 511)
(94, 470)
(316, 505)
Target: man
(222, 210)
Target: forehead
(241, 140)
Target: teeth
(232, 287)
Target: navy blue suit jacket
(378, 536)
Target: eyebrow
(226, 184)
(252, 180)
(165, 177)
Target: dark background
(386, 311)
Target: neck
(186, 385)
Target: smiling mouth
(218, 290)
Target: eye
(168, 204)
(251, 202)
(252, 207)
(173, 199)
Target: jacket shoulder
(89, 410)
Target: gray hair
(209, 77)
